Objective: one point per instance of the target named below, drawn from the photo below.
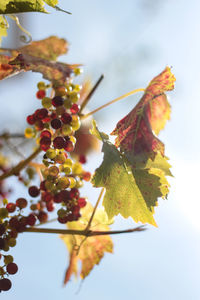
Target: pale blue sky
(130, 45)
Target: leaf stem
(21, 165)
(94, 210)
(83, 232)
(111, 102)
(86, 100)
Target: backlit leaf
(18, 6)
(39, 57)
(131, 190)
(3, 28)
(92, 249)
(136, 131)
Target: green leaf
(19, 6)
(3, 28)
(52, 3)
(131, 190)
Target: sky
(130, 43)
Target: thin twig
(7, 136)
(21, 165)
(94, 210)
(83, 232)
(111, 102)
(86, 100)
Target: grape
(31, 119)
(12, 268)
(3, 213)
(2, 229)
(57, 101)
(42, 113)
(39, 125)
(31, 219)
(74, 193)
(86, 176)
(66, 118)
(59, 142)
(41, 85)
(40, 94)
(56, 123)
(8, 259)
(42, 216)
(45, 143)
(69, 146)
(2, 243)
(21, 203)
(50, 205)
(5, 284)
(45, 133)
(82, 159)
(82, 202)
(33, 191)
(46, 102)
(74, 108)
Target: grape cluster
(54, 127)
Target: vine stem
(21, 165)
(111, 102)
(94, 210)
(83, 232)
(86, 100)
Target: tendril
(23, 38)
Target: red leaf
(135, 132)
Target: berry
(42, 216)
(57, 101)
(31, 219)
(33, 191)
(3, 213)
(31, 119)
(2, 243)
(40, 94)
(56, 123)
(41, 85)
(39, 125)
(42, 113)
(12, 268)
(66, 118)
(69, 146)
(8, 259)
(82, 202)
(59, 142)
(74, 108)
(2, 229)
(45, 143)
(11, 207)
(45, 133)
(5, 284)
(82, 159)
(74, 193)
(50, 205)
(21, 203)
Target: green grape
(53, 171)
(72, 139)
(67, 103)
(72, 182)
(41, 85)
(12, 242)
(67, 170)
(60, 158)
(68, 162)
(63, 183)
(29, 133)
(77, 168)
(46, 102)
(3, 213)
(67, 129)
(61, 212)
(74, 97)
(51, 153)
(8, 259)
